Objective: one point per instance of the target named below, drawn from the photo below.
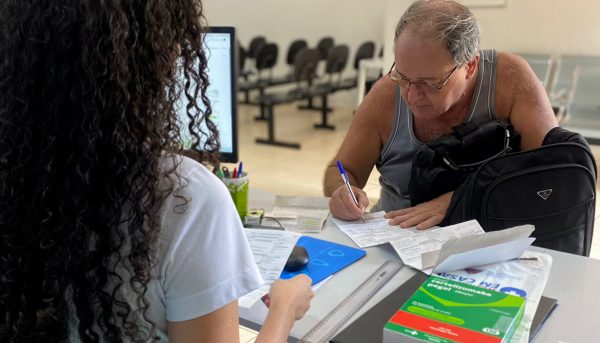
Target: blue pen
(240, 169)
(347, 183)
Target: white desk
(574, 281)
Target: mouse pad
(324, 258)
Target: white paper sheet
(374, 231)
(476, 257)
(411, 248)
(486, 248)
(271, 249)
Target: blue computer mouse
(298, 259)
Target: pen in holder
(238, 188)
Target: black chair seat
(251, 85)
(282, 98)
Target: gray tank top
(395, 162)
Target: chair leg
(311, 107)
(324, 115)
(262, 115)
(271, 132)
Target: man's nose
(414, 92)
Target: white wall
(537, 26)
(545, 26)
(349, 22)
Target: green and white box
(443, 310)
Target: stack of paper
(301, 214)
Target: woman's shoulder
(179, 166)
(185, 178)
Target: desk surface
(573, 280)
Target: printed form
(271, 249)
(411, 248)
(374, 231)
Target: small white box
(254, 216)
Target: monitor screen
(220, 49)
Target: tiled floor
(300, 172)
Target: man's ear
(472, 67)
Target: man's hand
(424, 215)
(342, 205)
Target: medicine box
(443, 310)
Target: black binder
(369, 327)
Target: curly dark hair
(88, 90)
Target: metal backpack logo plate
(545, 193)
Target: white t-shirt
(203, 257)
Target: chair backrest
(255, 44)
(242, 54)
(305, 65)
(266, 57)
(337, 59)
(576, 88)
(323, 47)
(365, 51)
(295, 47)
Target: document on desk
(300, 214)
(461, 246)
(411, 248)
(374, 231)
(271, 249)
(489, 247)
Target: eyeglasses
(428, 87)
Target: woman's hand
(424, 215)
(288, 301)
(342, 205)
(291, 295)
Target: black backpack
(442, 165)
(552, 187)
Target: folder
(324, 258)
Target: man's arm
(360, 149)
(522, 100)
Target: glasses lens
(426, 87)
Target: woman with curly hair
(107, 232)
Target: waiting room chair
(304, 73)
(575, 92)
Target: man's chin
(425, 112)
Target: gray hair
(444, 21)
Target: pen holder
(238, 188)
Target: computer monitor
(220, 49)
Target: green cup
(239, 188)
